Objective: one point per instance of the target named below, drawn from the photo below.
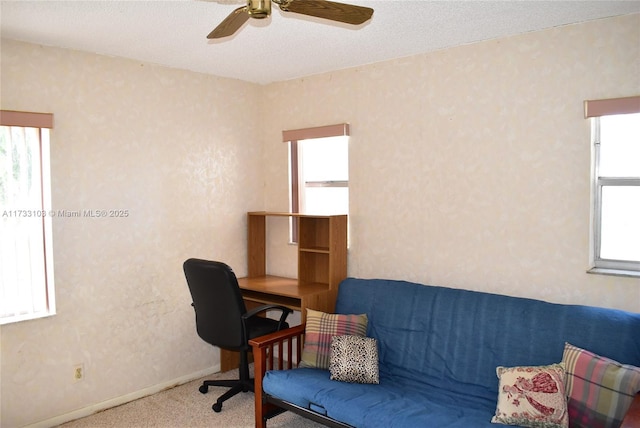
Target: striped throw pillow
(599, 390)
(320, 328)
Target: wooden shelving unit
(322, 262)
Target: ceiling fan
(259, 9)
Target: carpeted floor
(185, 407)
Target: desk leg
(229, 360)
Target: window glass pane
(327, 200)
(325, 159)
(23, 282)
(620, 225)
(620, 146)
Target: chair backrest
(217, 302)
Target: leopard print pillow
(354, 359)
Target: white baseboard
(117, 401)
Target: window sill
(614, 272)
(27, 317)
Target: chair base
(243, 384)
(237, 386)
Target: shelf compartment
(313, 267)
(314, 232)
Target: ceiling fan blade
(347, 13)
(231, 23)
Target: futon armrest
(276, 337)
(266, 349)
(632, 418)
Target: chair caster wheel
(203, 389)
(217, 407)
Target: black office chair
(222, 319)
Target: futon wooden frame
(281, 350)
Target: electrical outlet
(78, 372)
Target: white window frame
(36, 299)
(595, 109)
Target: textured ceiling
(284, 46)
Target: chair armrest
(632, 418)
(263, 308)
(253, 312)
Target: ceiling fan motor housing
(259, 8)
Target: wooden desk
(287, 292)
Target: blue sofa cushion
(457, 338)
(392, 403)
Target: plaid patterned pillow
(599, 390)
(319, 330)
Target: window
(616, 185)
(318, 171)
(26, 256)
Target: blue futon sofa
(438, 352)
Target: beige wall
(469, 168)
(172, 147)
